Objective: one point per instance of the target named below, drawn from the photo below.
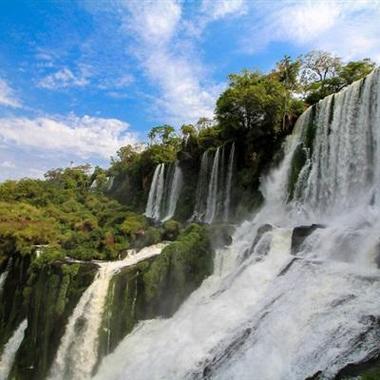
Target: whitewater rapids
(266, 314)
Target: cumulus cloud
(65, 78)
(7, 95)
(349, 29)
(82, 137)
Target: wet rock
(316, 376)
(377, 253)
(287, 267)
(260, 232)
(300, 234)
(366, 369)
(221, 234)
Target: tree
(317, 66)
(162, 134)
(252, 101)
(204, 122)
(70, 178)
(355, 70)
(323, 74)
(126, 154)
(287, 73)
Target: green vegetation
(63, 216)
(50, 295)
(181, 265)
(155, 287)
(324, 74)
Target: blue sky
(78, 79)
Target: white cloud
(183, 98)
(169, 60)
(82, 137)
(7, 164)
(349, 29)
(65, 78)
(221, 8)
(7, 96)
(155, 22)
(116, 83)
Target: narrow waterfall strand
(213, 190)
(201, 192)
(226, 213)
(153, 206)
(78, 351)
(10, 350)
(3, 277)
(174, 191)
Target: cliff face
(131, 186)
(155, 287)
(13, 305)
(46, 297)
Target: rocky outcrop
(46, 296)
(155, 287)
(300, 234)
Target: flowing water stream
(78, 350)
(213, 195)
(10, 350)
(164, 192)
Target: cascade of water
(10, 350)
(345, 157)
(78, 351)
(227, 201)
(153, 207)
(212, 197)
(201, 192)
(110, 183)
(173, 190)
(271, 315)
(168, 180)
(213, 194)
(224, 299)
(3, 277)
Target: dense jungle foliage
(81, 213)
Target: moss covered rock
(155, 287)
(45, 293)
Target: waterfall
(109, 184)
(227, 201)
(10, 350)
(201, 192)
(164, 192)
(274, 309)
(153, 206)
(211, 205)
(3, 277)
(175, 182)
(345, 159)
(78, 350)
(213, 195)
